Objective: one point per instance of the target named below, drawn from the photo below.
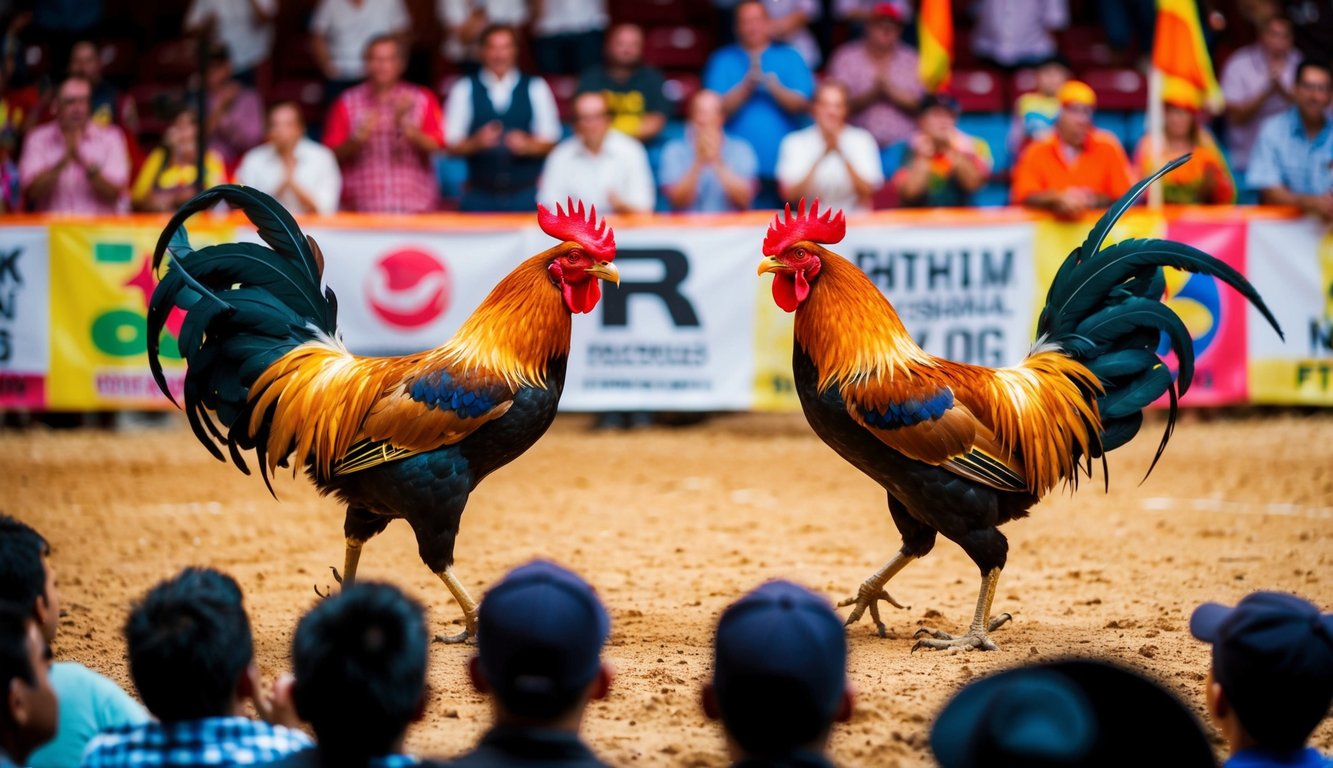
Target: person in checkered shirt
(192, 661)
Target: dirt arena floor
(671, 524)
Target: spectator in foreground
(1292, 162)
(1011, 35)
(1078, 167)
(633, 89)
(1035, 111)
(505, 122)
(192, 660)
(341, 32)
(28, 713)
(1205, 179)
(765, 87)
(1077, 713)
(540, 633)
(1257, 82)
(302, 174)
(942, 167)
(831, 160)
(383, 133)
(779, 677)
(359, 660)
(1270, 683)
(235, 112)
(89, 702)
(464, 21)
(245, 29)
(567, 35)
(708, 170)
(168, 177)
(73, 165)
(882, 76)
(598, 164)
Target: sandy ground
(673, 524)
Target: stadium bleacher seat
(657, 12)
(563, 87)
(678, 87)
(1085, 46)
(1118, 88)
(119, 59)
(171, 60)
(977, 90)
(992, 128)
(677, 47)
(150, 102)
(451, 173)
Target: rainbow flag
(935, 33)
(1179, 50)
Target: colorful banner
(1297, 281)
(25, 317)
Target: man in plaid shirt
(192, 660)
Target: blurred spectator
(504, 122)
(13, 118)
(383, 133)
(1257, 82)
(633, 89)
(567, 35)
(302, 174)
(1076, 713)
(235, 112)
(464, 21)
(1270, 682)
(1035, 111)
(792, 20)
(1205, 179)
(168, 177)
(1012, 34)
(342, 30)
(59, 24)
(1292, 161)
(708, 170)
(942, 167)
(830, 160)
(1077, 167)
(72, 165)
(108, 104)
(539, 643)
(244, 27)
(1129, 26)
(779, 677)
(882, 75)
(1312, 21)
(765, 87)
(89, 702)
(598, 164)
(28, 713)
(191, 656)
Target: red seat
(563, 87)
(152, 102)
(677, 47)
(307, 93)
(1085, 47)
(293, 59)
(1118, 89)
(977, 90)
(118, 58)
(678, 87)
(173, 59)
(654, 12)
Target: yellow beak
(771, 264)
(605, 270)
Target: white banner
(25, 315)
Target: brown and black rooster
(962, 449)
(392, 437)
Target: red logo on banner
(408, 288)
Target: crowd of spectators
(770, 121)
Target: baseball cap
(1073, 712)
(540, 633)
(897, 12)
(779, 667)
(1077, 92)
(1273, 656)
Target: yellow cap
(1181, 93)
(1077, 92)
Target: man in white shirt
(598, 165)
(340, 31)
(302, 174)
(244, 26)
(831, 160)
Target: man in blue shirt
(28, 707)
(1292, 160)
(766, 89)
(708, 170)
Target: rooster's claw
(466, 637)
(868, 597)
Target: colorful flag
(935, 32)
(1179, 50)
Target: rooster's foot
(868, 597)
(328, 591)
(975, 638)
(466, 637)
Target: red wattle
(582, 296)
(790, 289)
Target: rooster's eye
(800, 253)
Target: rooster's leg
(872, 591)
(977, 635)
(465, 601)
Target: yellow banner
(1304, 374)
(774, 389)
(101, 280)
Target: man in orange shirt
(1075, 168)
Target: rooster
(391, 437)
(962, 449)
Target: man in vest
(504, 122)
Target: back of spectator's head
(26, 579)
(359, 659)
(1078, 712)
(28, 713)
(190, 646)
(540, 633)
(1273, 659)
(779, 670)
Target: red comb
(782, 234)
(595, 237)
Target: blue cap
(1273, 657)
(1074, 712)
(540, 633)
(779, 667)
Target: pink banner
(22, 391)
